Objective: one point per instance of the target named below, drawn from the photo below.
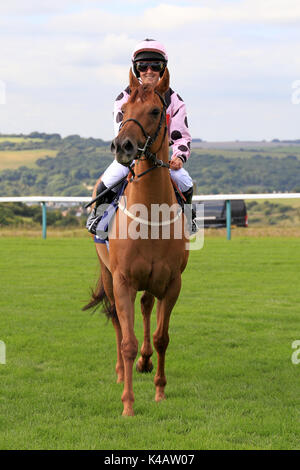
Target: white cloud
(37, 7)
(113, 74)
(112, 47)
(165, 14)
(66, 70)
(170, 17)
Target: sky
(236, 64)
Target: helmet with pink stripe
(149, 49)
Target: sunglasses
(154, 66)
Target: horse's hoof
(128, 412)
(160, 395)
(144, 368)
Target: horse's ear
(164, 82)
(133, 81)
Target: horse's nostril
(128, 146)
(115, 146)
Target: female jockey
(149, 61)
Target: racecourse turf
(231, 380)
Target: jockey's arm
(118, 114)
(179, 132)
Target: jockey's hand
(176, 163)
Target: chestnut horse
(145, 264)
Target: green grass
(12, 159)
(231, 382)
(18, 140)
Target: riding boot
(95, 216)
(190, 210)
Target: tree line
(80, 162)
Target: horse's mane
(142, 92)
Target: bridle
(145, 152)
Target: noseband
(145, 151)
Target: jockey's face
(150, 77)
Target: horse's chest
(152, 277)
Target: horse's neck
(155, 187)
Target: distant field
(285, 202)
(19, 139)
(274, 152)
(12, 159)
(231, 381)
(280, 212)
(264, 145)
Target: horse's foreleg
(124, 298)
(161, 336)
(144, 363)
(120, 362)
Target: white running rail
(205, 197)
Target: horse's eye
(155, 112)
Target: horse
(152, 265)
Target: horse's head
(142, 117)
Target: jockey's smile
(149, 77)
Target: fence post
(228, 219)
(44, 219)
(2, 352)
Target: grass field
(231, 381)
(12, 159)
(244, 152)
(18, 140)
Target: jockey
(149, 60)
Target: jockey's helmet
(149, 49)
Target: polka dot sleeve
(178, 131)
(121, 99)
(178, 128)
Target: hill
(70, 166)
(77, 164)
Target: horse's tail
(98, 298)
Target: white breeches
(116, 171)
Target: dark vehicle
(215, 213)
